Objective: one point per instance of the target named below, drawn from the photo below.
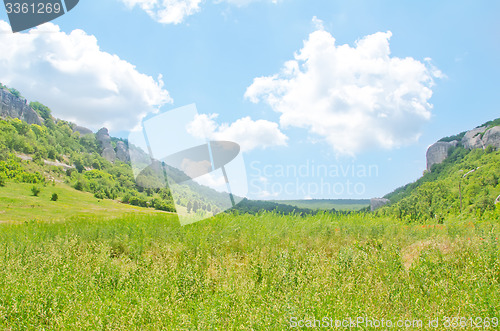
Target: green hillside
(467, 183)
(53, 152)
(17, 203)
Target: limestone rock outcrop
(438, 152)
(15, 107)
(103, 138)
(492, 137)
(82, 130)
(108, 152)
(481, 137)
(122, 151)
(472, 138)
(376, 203)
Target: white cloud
(166, 11)
(241, 3)
(78, 81)
(175, 11)
(355, 98)
(318, 23)
(247, 133)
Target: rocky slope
(15, 107)
(480, 137)
(108, 152)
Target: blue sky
(301, 85)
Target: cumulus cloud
(166, 11)
(77, 80)
(353, 97)
(247, 133)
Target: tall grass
(243, 271)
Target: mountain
(37, 148)
(462, 178)
(13, 105)
(480, 137)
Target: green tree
(41, 110)
(54, 197)
(22, 127)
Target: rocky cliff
(481, 137)
(15, 107)
(81, 130)
(438, 152)
(122, 151)
(492, 137)
(108, 152)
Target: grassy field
(327, 204)
(17, 203)
(244, 272)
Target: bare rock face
(492, 137)
(122, 152)
(14, 107)
(108, 152)
(82, 130)
(376, 203)
(472, 138)
(480, 137)
(438, 152)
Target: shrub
(100, 195)
(35, 190)
(126, 198)
(79, 186)
(54, 197)
(2, 180)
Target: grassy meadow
(17, 203)
(243, 272)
